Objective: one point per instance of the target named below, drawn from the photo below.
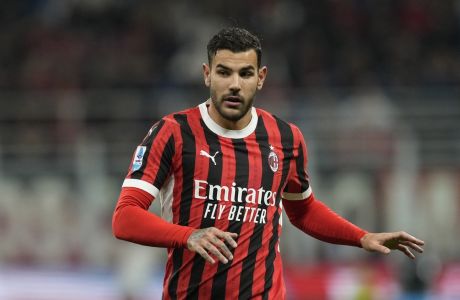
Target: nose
(235, 84)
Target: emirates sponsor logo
(230, 202)
(204, 190)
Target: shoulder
(280, 123)
(176, 119)
(168, 125)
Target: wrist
(363, 238)
(187, 233)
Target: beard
(232, 113)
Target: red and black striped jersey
(204, 176)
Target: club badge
(273, 160)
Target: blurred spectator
(139, 44)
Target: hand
(210, 241)
(387, 241)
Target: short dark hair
(236, 40)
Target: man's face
(233, 79)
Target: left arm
(316, 219)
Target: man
(223, 172)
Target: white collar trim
(228, 133)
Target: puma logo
(213, 158)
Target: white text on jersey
(233, 193)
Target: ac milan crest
(273, 160)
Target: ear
(207, 75)
(262, 75)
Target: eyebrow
(247, 68)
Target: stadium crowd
(144, 44)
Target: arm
(149, 168)
(316, 219)
(133, 222)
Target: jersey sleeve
(310, 215)
(298, 183)
(151, 163)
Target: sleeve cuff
(143, 185)
(297, 196)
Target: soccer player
(223, 172)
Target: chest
(250, 163)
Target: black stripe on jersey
(219, 284)
(301, 172)
(214, 178)
(255, 242)
(287, 141)
(165, 163)
(188, 169)
(148, 141)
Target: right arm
(134, 223)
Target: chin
(233, 117)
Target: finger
(407, 237)
(205, 255)
(381, 249)
(406, 251)
(211, 248)
(233, 234)
(413, 246)
(229, 237)
(223, 247)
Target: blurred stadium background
(374, 85)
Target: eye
(246, 74)
(223, 72)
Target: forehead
(235, 59)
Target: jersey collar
(232, 134)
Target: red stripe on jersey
(197, 206)
(240, 253)
(274, 139)
(181, 204)
(298, 181)
(177, 190)
(301, 159)
(241, 179)
(273, 261)
(178, 180)
(278, 290)
(228, 177)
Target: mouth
(232, 101)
